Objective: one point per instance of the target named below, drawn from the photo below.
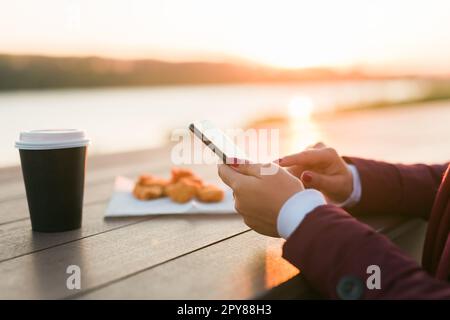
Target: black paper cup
(53, 167)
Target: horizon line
(361, 68)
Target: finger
(249, 169)
(228, 175)
(294, 170)
(308, 157)
(232, 178)
(315, 180)
(316, 145)
(319, 145)
(235, 161)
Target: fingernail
(230, 160)
(278, 160)
(307, 177)
(234, 162)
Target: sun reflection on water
(295, 123)
(301, 108)
(303, 129)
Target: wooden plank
(17, 239)
(12, 190)
(97, 238)
(97, 161)
(112, 255)
(16, 189)
(384, 224)
(412, 239)
(13, 210)
(17, 209)
(242, 267)
(101, 169)
(10, 173)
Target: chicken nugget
(158, 186)
(148, 180)
(182, 191)
(144, 179)
(179, 173)
(197, 182)
(210, 193)
(142, 192)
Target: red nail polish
(233, 162)
(230, 161)
(306, 177)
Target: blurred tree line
(39, 72)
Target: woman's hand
(323, 169)
(259, 197)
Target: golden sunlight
(283, 33)
(300, 108)
(304, 130)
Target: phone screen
(216, 140)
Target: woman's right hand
(321, 168)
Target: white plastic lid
(52, 139)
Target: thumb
(249, 169)
(229, 176)
(315, 180)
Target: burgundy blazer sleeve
(330, 245)
(396, 188)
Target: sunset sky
(388, 35)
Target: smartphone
(216, 140)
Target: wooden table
(162, 257)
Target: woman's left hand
(260, 191)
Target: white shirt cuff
(295, 209)
(356, 192)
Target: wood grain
(242, 267)
(10, 173)
(16, 238)
(112, 255)
(98, 169)
(189, 256)
(411, 240)
(101, 238)
(16, 208)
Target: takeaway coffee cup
(53, 166)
